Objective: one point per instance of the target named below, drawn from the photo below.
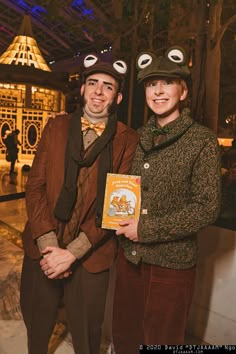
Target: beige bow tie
(98, 127)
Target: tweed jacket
(44, 185)
(180, 181)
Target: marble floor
(12, 219)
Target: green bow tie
(157, 131)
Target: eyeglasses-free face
(163, 96)
(99, 92)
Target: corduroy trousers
(84, 296)
(151, 305)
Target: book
(122, 199)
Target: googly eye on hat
(93, 64)
(172, 64)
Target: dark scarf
(74, 160)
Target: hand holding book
(129, 228)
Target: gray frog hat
(172, 65)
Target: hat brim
(101, 68)
(162, 74)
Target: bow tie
(98, 128)
(157, 131)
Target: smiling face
(99, 91)
(163, 96)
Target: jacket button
(146, 165)
(134, 253)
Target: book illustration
(122, 199)
(122, 202)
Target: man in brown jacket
(66, 251)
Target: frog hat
(93, 64)
(171, 65)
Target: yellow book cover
(122, 199)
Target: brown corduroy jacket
(45, 181)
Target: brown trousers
(151, 305)
(84, 298)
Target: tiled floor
(12, 220)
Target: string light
(191, 51)
(231, 120)
(208, 13)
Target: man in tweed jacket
(178, 161)
(66, 251)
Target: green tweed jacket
(180, 181)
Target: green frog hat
(171, 65)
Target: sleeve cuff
(79, 246)
(48, 239)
